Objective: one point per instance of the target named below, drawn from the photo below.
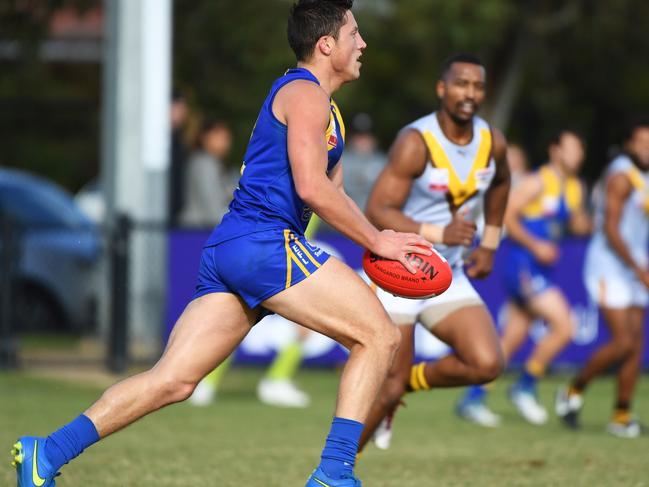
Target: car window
(39, 205)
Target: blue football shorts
(525, 278)
(258, 265)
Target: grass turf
(237, 441)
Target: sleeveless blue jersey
(266, 197)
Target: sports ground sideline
(237, 441)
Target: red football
(433, 274)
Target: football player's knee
(564, 331)
(623, 345)
(391, 339)
(172, 390)
(489, 367)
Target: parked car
(55, 257)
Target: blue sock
(69, 441)
(475, 394)
(341, 447)
(527, 381)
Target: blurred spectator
(179, 115)
(206, 193)
(362, 160)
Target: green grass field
(239, 442)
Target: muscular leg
(476, 358)
(628, 374)
(336, 302)
(612, 352)
(207, 332)
(515, 330)
(394, 386)
(551, 305)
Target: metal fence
(83, 282)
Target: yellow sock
(621, 416)
(418, 378)
(489, 385)
(573, 391)
(535, 368)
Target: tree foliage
(550, 63)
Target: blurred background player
(617, 279)
(441, 168)
(540, 206)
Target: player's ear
(440, 88)
(325, 45)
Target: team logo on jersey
(438, 180)
(483, 177)
(332, 133)
(332, 142)
(306, 213)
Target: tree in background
(551, 63)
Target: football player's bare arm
(305, 108)
(480, 260)
(530, 187)
(406, 162)
(495, 198)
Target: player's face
(638, 146)
(348, 49)
(462, 91)
(570, 152)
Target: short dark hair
(555, 136)
(634, 123)
(309, 20)
(207, 125)
(459, 57)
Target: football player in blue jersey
(258, 259)
(545, 205)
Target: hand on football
(395, 245)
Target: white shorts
(616, 292)
(431, 311)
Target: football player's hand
(395, 245)
(480, 262)
(459, 231)
(546, 253)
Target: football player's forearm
(496, 202)
(339, 211)
(392, 219)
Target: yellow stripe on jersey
(638, 182)
(573, 192)
(554, 188)
(307, 253)
(289, 253)
(339, 116)
(334, 115)
(460, 190)
(300, 265)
